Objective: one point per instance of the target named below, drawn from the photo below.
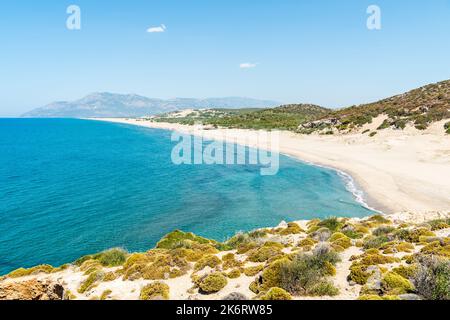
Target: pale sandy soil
(400, 171)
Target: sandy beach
(399, 171)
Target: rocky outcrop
(31, 290)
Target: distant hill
(131, 105)
(419, 107)
(286, 117)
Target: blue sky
(317, 51)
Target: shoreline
(378, 166)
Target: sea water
(74, 187)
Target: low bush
(379, 219)
(292, 228)
(438, 248)
(212, 283)
(376, 259)
(358, 274)
(375, 242)
(393, 283)
(333, 224)
(108, 258)
(21, 272)
(438, 224)
(432, 279)
(324, 288)
(105, 294)
(207, 261)
(253, 271)
(177, 238)
(413, 235)
(305, 271)
(155, 291)
(91, 281)
(406, 272)
(111, 258)
(383, 230)
(234, 274)
(264, 253)
(276, 294)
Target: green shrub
(386, 124)
(229, 261)
(335, 236)
(307, 242)
(105, 294)
(341, 240)
(333, 224)
(111, 276)
(378, 218)
(157, 264)
(376, 259)
(358, 274)
(292, 228)
(305, 271)
(432, 279)
(404, 247)
(271, 276)
(108, 258)
(175, 238)
(155, 291)
(376, 242)
(276, 294)
(414, 234)
(21, 272)
(245, 238)
(111, 258)
(324, 288)
(264, 253)
(437, 248)
(213, 283)
(393, 282)
(406, 272)
(353, 234)
(438, 224)
(383, 230)
(234, 274)
(376, 297)
(91, 281)
(207, 261)
(253, 271)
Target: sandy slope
(400, 171)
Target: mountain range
(130, 105)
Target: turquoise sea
(74, 187)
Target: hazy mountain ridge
(131, 105)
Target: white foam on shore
(348, 180)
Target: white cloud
(161, 28)
(247, 65)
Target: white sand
(400, 171)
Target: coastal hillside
(131, 105)
(419, 108)
(285, 117)
(376, 258)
